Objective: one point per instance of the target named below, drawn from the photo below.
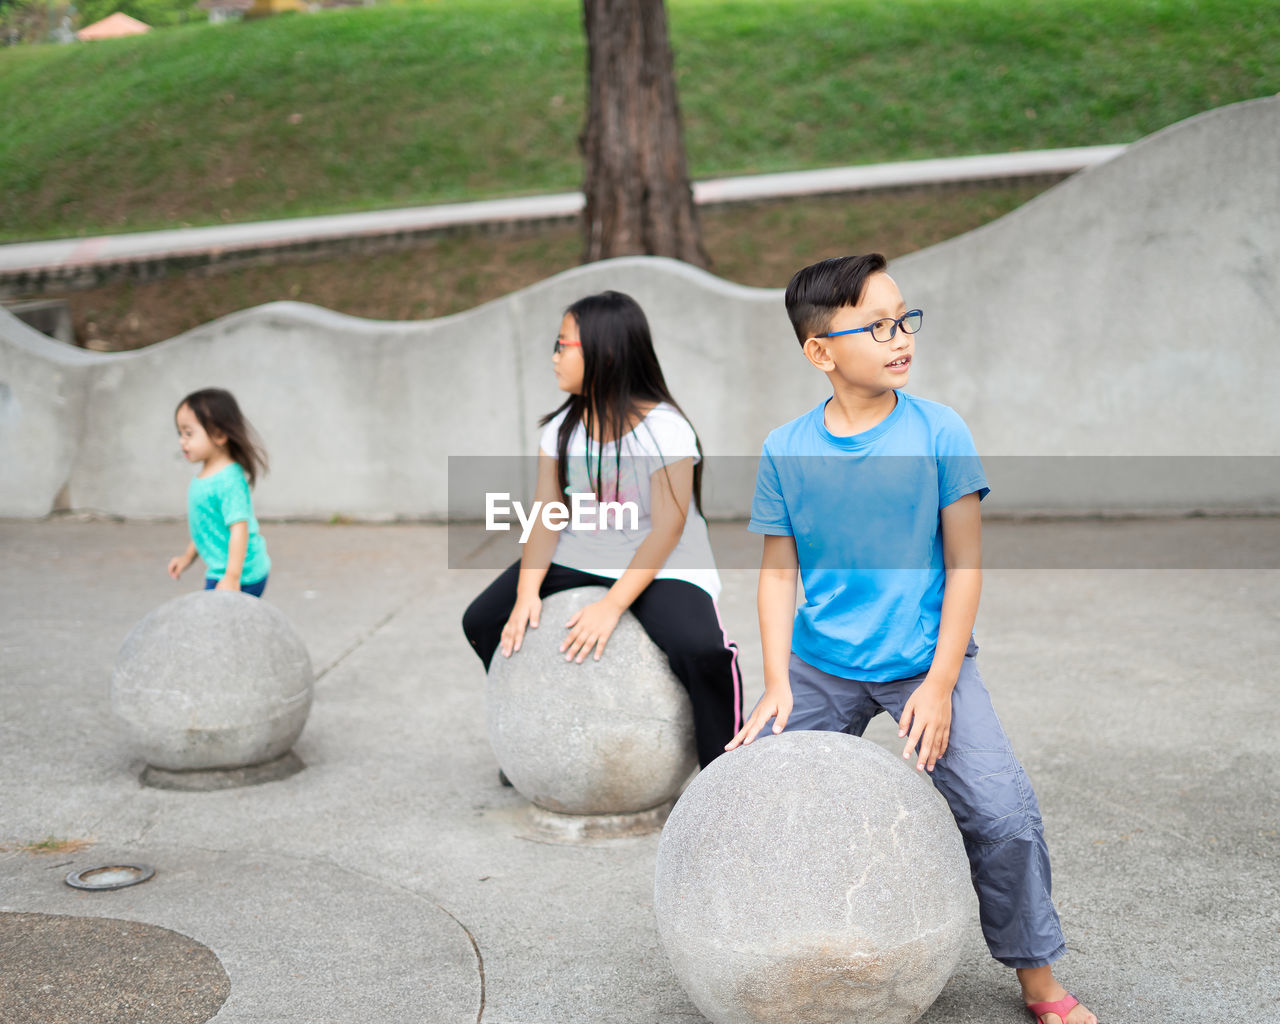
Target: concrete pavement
(394, 880)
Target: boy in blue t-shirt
(872, 498)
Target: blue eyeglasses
(883, 330)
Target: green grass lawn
(449, 100)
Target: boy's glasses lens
(884, 330)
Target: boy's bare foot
(1040, 986)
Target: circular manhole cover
(110, 876)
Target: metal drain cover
(110, 876)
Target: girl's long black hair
(218, 412)
(620, 370)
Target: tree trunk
(639, 200)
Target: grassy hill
(462, 99)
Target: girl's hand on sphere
(226, 584)
(590, 627)
(524, 616)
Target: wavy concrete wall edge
(395, 399)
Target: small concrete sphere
(212, 679)
(812, 878)
(613, 736)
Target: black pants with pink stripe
(679, 617)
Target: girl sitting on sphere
(620, 437)
(224, 530)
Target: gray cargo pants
(986, 787)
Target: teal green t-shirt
(214, 503)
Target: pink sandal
(1062, 1007)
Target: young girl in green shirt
(224, 530)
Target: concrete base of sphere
(606, 737)
(212, 680)
(812, 877)
(209, 780)
(582, 828)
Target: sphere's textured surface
(613, 736)
(213, 679)
(812, 878)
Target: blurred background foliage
(41, 21)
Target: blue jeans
(986, 788)
(255, 589)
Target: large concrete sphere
(812, 878)
(213, 679)
(613, 736)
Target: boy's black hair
(817, 291)
(218, 412)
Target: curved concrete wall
(1128, 311)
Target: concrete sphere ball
(212, 679)
(613, 736)
(812, 878)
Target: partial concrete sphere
(613, 736)
(213, 679)
(812, 878)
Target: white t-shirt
(662, 438)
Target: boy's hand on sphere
(927, 715)
(776, 704)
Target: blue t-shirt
(214, 503)
(864, 512)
